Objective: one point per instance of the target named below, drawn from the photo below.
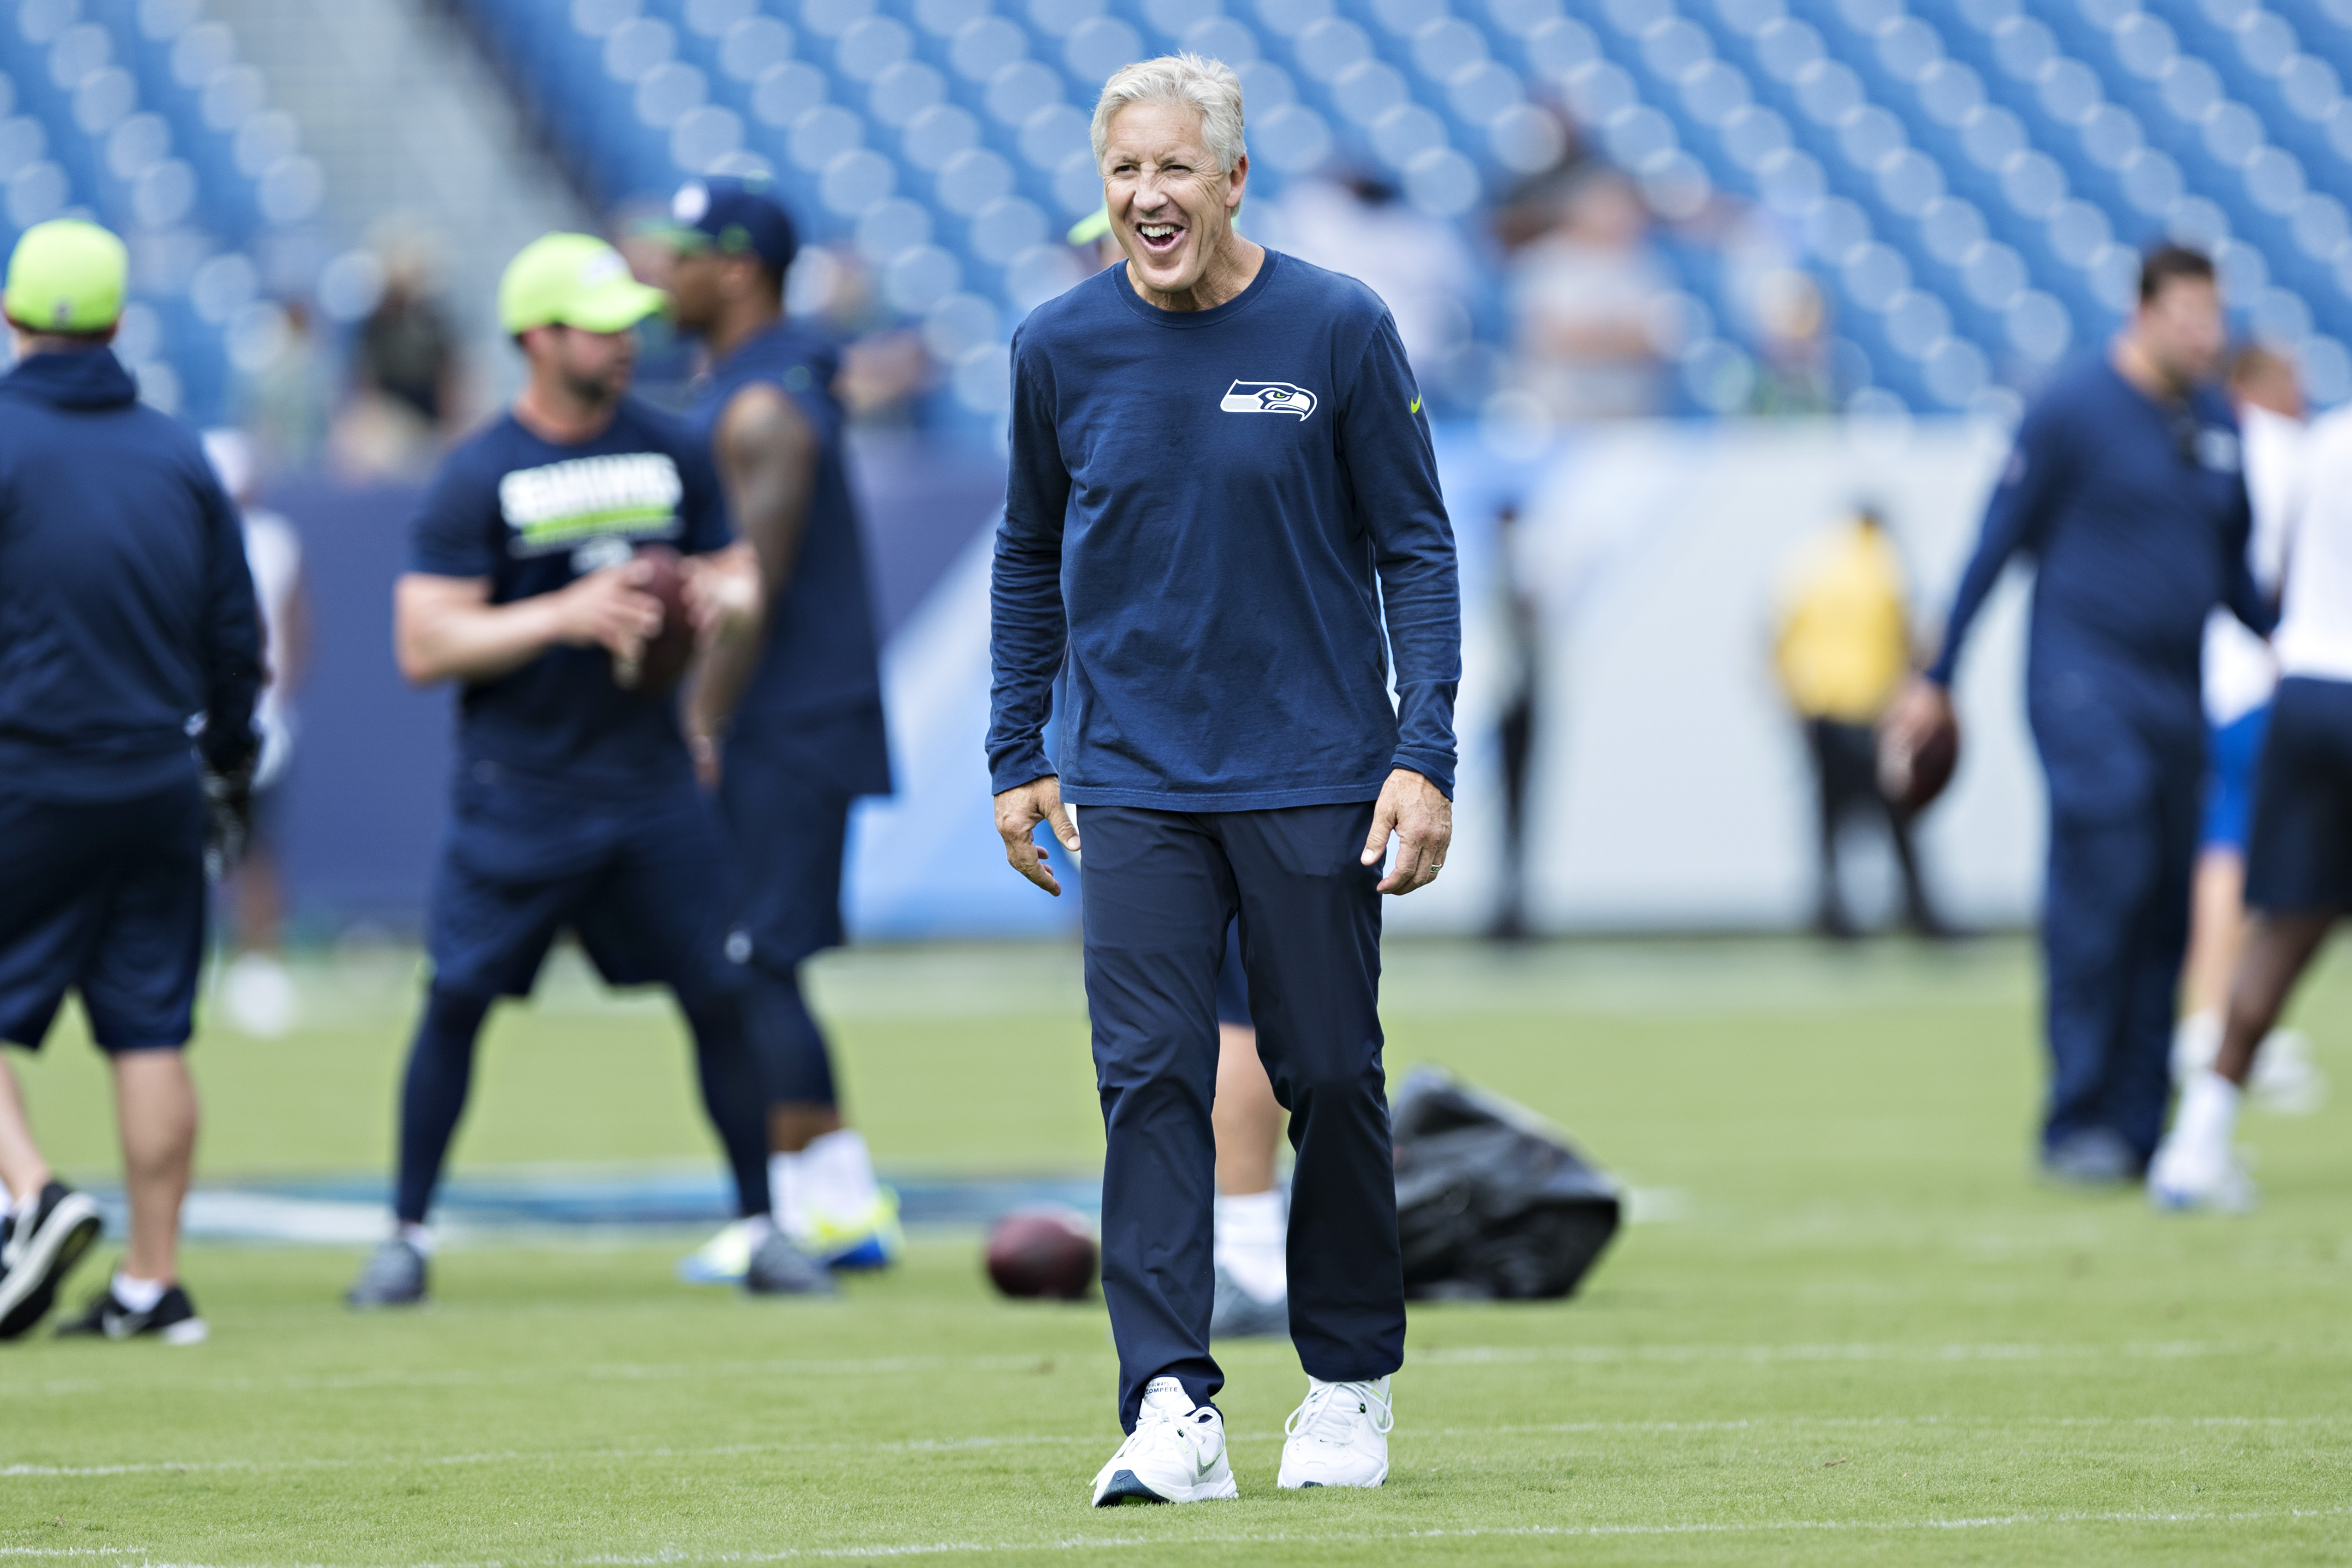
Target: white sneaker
(1339, 1437)
(726, 1258)
(2286, 1081)
(1176, 1453)
(2188, 1175)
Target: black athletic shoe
(173, 1319)
(780, 1268)
(38, 1248)
(395, 1277)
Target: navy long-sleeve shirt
(126, 615)
(2137, 518)
(1209, 513)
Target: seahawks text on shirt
(622, 495)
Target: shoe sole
(1126, 1488)
(1332, 1486)
(872, 1252)
(31, 1288)
(2174, 1201)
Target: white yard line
(1473, 1355)
(671, 1558)
(1039, 1440)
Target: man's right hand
(1019, 810)
(609, 608)
(1920, 711)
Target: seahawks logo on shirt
(560, 506)
(1267, 397)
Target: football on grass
(671, 649)
(1043, 1252)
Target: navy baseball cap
(735, 216)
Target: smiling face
(1170, 206)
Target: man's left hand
(1418, 813)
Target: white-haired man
(1221, 479)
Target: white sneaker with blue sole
(1176, 1453)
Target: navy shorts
(1232, 983)
(2234, 753)
(105, 898)
(643, 881)
(787, 832)
(2299, 859)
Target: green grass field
(1851, 1327)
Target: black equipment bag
(1492, 1203)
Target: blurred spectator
(1518, 623)
(1843, 652)
(255, 988)
(407, 349)
(285, 401)
(1534, 206)
(882, 376)
(1583, 299)
(885, 368)
(1795, 375)
(1356, 223)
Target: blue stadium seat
(1968, 179)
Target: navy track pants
(2125, 772)
(1161, 888)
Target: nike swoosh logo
(1416, 404)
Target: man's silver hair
(1207, 86)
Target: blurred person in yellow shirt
(1842, 651)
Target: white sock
(416, 1235)
(138, 1295)
(2196, 1041)
(1251, 1235)
(840, 1174)
(2209, 1115)
(787, 1193)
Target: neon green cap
(572, 280)
(66, 276)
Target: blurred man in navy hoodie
(129, 656)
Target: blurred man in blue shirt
(130, 658)
(574, 804)
(2125, 488)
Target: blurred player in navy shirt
(575, 803)
(2125, 487)
(1223, 492)
(805, 736)
(127, 627)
